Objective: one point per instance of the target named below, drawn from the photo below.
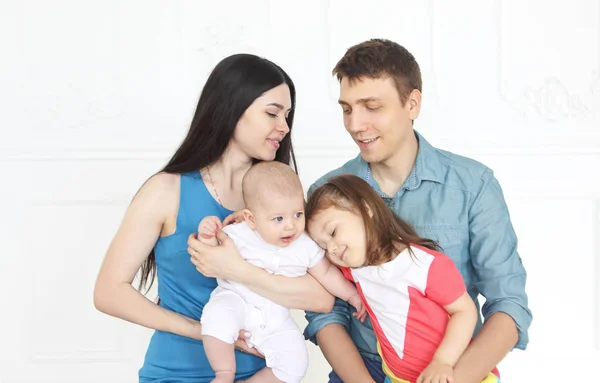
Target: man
(451, 199)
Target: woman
(244, 115)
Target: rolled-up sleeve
(499, 271)
(316, 321)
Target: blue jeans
(373, 366)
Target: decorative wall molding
(550, 99)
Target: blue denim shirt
(457, 202)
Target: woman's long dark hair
(383, 228)
(231, 88)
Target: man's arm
(496, 338)
(330, 332)
(342, 354)
(501, 280)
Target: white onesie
(233, 307)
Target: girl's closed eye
(272, 115)
(333, 233)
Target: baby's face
(280, 221)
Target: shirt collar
(427, 167)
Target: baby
(270, 237)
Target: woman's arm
(224, 261)
(135, 238)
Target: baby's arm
(207, 230)
(334, 281)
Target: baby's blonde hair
(266, 179)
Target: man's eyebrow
(363, 100)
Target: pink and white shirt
(405, 298)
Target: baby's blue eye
(278, 219)
(298, 215)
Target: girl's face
(263, 125)
(342, 234)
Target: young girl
(415, 296)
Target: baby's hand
(361, 310)
(437, 372)
(208, 227)
(235, 217)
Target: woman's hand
(223, 261)
(241, 344)
(195, 332)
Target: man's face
(375, 117)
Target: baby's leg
(222, 320)
(263, 376)
(221, 358)
(286, 355)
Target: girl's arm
(142, 225)
(224, 261)
(331, 277)
(333, 280)
(463, 319)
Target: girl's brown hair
(383, 228)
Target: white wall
(95, 96)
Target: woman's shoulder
(162, 182)
(159, 188)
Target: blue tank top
(172, 358)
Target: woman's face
(263, 125)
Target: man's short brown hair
(380, 58)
